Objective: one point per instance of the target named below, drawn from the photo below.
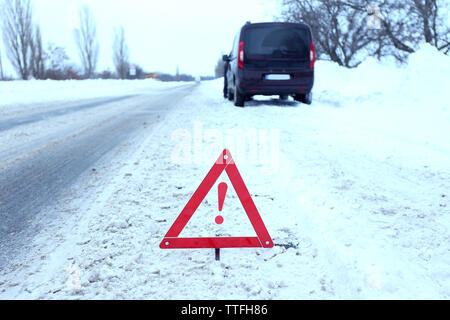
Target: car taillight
(312, 55)
(241, 55)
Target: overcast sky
(161, 34)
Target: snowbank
(410, 101)
(422, 83)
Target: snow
(353, 189)
(16, 95)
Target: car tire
(304, 98)
(284, 97)
(230, 95)
(239, 98)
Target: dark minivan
(274, 58)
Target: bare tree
(406, 24)
(17, 26)
(121, 54)
(87, 42)
(435, 26)
(342, 32)
(38, 55)
(339, 32)
(58, 64)
(2, 76)
(395, 36)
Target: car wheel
(230, 95)
(239, 99)
(284, 97)
(304, 98)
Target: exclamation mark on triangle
(222, 192)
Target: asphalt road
(35, 182)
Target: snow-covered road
(354, 191)
(44, 152)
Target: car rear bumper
(254, 82)
(275, 91)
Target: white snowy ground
(354, 191)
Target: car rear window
(277, 42)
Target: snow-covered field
(354, 191)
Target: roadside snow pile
(410, 101)
(423, 82)
(39, 91)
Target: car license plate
(278, 77)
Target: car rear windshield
(277, 42)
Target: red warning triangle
(224, 163)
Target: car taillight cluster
(241, 55)
(312, 55)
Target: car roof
(301, 24)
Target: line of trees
(347, 31)
(25, 50)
